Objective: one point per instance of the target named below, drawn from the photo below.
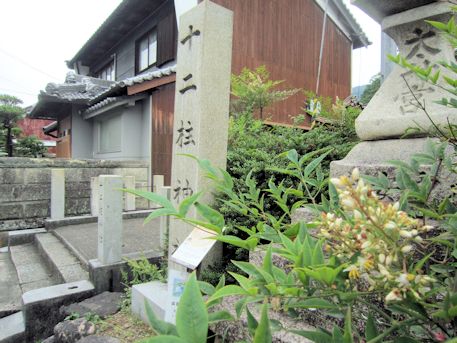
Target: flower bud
(355, 174)
(337, 182)
(406, 249)
(405, 234)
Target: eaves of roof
(125, 18)
(358, 36)
(120, 85)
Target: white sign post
(57, 193)
(110, 219)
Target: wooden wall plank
(286, 37)
(163, 103)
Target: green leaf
(206, 288)
(314, 163)
(159, 213)
(210, 214)
(227, 291)
(219, 316)
(292, 155)
(318, 255)
(252, 322)
(248, 244)
(165, 339)
(187, 203)
(370, 330)
(315, 336)
(191, 316)
(267, 263)
(156, 198)
(263, 331)
(159, 326)
(347, 338)
(405, 339)
(243, 281)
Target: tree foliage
(254, 90)
(10, 113)
(372, 88)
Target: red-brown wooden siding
(163, 103)
(286, 36)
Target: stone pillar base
(372, 157)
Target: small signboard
(194, 248)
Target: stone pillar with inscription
(57, 193)
(110, 219)
(394, 109)
(200, 129)
(201, 103)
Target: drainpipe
(324, 26)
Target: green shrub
(29, 146)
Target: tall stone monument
(201, 103)
(394, 108)
(201, 130)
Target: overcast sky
(37, 36)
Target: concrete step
(10, 291)
(12, 328)
(59, 259)
(31, 269)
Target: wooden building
(124, 81)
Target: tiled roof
(76, 88)
(103, 103)
(156, 74)
(89, 91)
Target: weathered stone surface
(18, 224)
(303, 214)
(33, 209)
(393, 110)
(25, 186)
(50, 339)
(72, 331)
(41, 306)
(75, 207)
(103, 305)
(34, 175)
(11, 211)
(99, 339)
(371, 158)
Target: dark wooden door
(163, 104)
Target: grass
(125, 327)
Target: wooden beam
(154, 83)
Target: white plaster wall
(134, 125)
(81, 137)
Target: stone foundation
(25, 187)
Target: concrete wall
(81, 136)
(134, 135)
(25, 187)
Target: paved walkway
(137, 238)
(10, 292)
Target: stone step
(12, 328)
(59, 259)
(10, 291)
(32, 272)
